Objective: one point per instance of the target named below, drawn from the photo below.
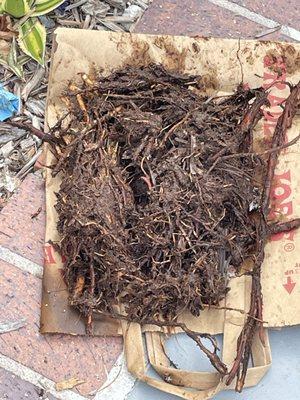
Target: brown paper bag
(223, 63)
(207, 384)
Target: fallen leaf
(4, 47)
(68, 384)
(34, 82)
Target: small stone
(133, 12)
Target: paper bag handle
(207, 384)
(136, 364)
(205, 380)
(202, 385)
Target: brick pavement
(57, 357)
(285, 12)
(29, 360)
(14, 388)
(221, 18)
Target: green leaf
(42, 7)
(12, 56)
(13, 62)
(23, 59)
(32, 39)
(16, 8)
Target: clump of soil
(162, 198)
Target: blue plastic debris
(9, 104)
(61, 9)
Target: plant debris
(163, 198)
(68, 384)
(24, 78)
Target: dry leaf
(68, 384)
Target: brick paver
(14, 388)
(20, 232)
(196, 17)
(57, 357)
(286, 12)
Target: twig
(253, 154)
(89, 327)
(287, 226)
(245, 128)
(36, 132)
(268, 32)
(245, 339)
(284, 122)
(25, 169)
(236, 309)
(174, 127)
(36, 213)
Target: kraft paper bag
(223, 65)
